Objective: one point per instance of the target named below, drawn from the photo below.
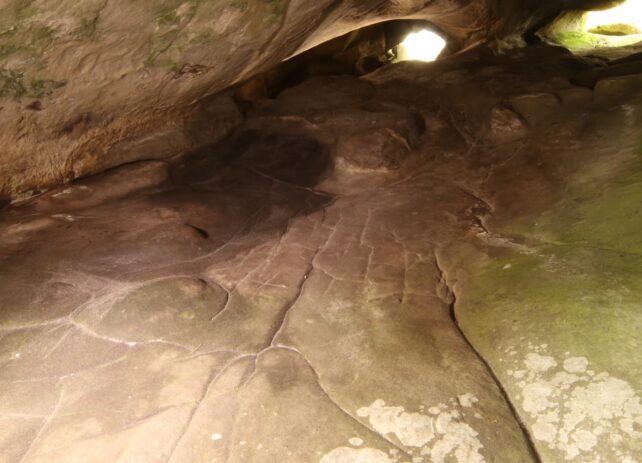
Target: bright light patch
(421, 46)
(630, 12)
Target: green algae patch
(618, 29)
(171, 21)
(582, 301)
(14, 84)
(608, 217)
(578, 40)
(276, 10)
(581, 286)
(559, 318)
(168, 17)
(87, 28)
(241, 5)
(16, 11)
(560, 327)
(29, 40)
(184, 33)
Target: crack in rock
(43, 427)
(451, 302)
(337, 405)
(281, 321)
(202, 398)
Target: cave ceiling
(86, 85)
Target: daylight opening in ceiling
(625, 19)
(587, 31)
(423, 45)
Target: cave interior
(290, 231)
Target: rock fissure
(43, 427)
(283, 315)
(451, 303)
(194, 411)
(340, 408)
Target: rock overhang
(81, 80)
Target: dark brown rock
(376, 149)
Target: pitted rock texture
(477, 301)
(87, 85)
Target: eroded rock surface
(282, 296)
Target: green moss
(579, 292)
(34, 40)
(39, 88)
(201, 37)
(15, 12)
(241, 5)
(173, 66)
(168, 17)
(276, 10)
(169, 14)
(41, 33)
(87, 28)
(176, 31)
(23, 9)
(171, 34)
(615, 29)
(14, 84)
(578, 40)
(9, 49)
(160, 45)
(578, 300)
(13, 27)
(168, 21)
(607, 218)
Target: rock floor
(435, 263)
